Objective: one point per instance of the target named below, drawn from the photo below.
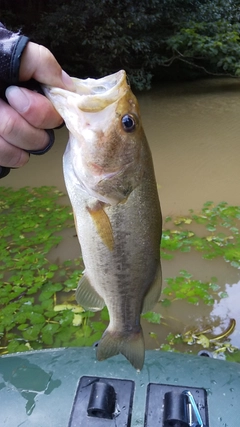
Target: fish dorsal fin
(87, 297)
(154, 292)
(102, 224)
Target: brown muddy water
(194, 133)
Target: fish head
(106, 146)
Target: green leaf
(48, 332)
(98, 326)
(166, 302)
(32, 333)
(223, 295)
(152, 317)
(104, 314)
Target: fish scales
(117, 216)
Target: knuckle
(23, 158)
(48, 117)
(45, 54)
(12, 156)
(41, 113)
(8, 127)
(20, 159)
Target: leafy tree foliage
(96, 40)
(209, 41)
(150, 39)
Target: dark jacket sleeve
(11, 49)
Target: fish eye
(128, 123)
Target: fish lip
(113, 87)
(107, 84)
(88, 96)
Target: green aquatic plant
(37, 303)
(217, 233)
(186, 287)
(214, 233)
(218, 346)
(37, 308)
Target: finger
(18, 132)
(36, 109)
(11, 156)
(38, 62)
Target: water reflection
(27, 378)
(228, 308)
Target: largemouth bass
(110, 180)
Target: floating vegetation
(37, 303)
(219, 235)
(218, 346)
(214, 232)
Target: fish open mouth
(90, 95)
(99, 86)
(97, 94)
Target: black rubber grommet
(102, 401)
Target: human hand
(23, 121)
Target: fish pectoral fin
(131, 345)
(154, 292)
(102, 224)
(87, 297)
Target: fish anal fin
(130, 345)
(102, 224)
(87, 297)
(153, 294)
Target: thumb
(38, 62)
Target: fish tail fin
(131, 346)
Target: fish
(109, 176)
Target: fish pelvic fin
(131, 346)
(102, 224)
(154, 292)
(87, 297)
